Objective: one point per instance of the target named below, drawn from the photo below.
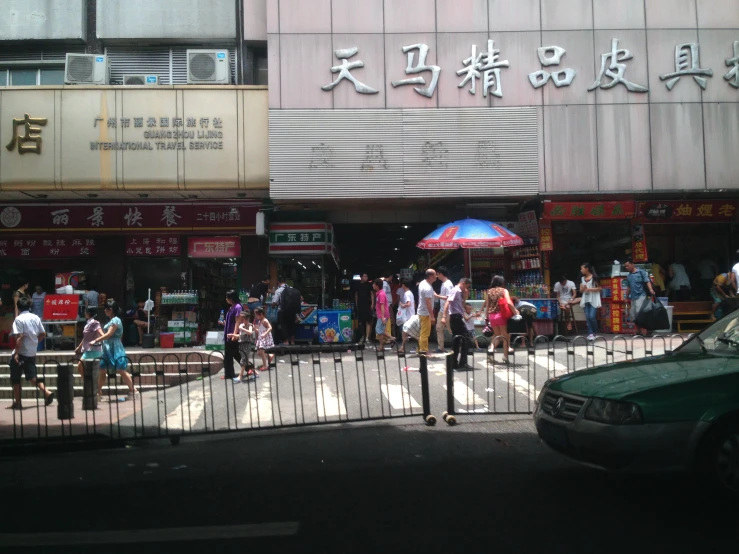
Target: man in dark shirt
(364, 302)
(258, 294)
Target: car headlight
(615, 413)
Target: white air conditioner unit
(208, 67)
(86, 69)
(140, 80)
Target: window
(23, 77)
(29, 77)
(52, 76)
(261, 73)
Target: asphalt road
(483, 486)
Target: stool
(568, 316)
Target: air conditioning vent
(208, 67)
(140, 80)
(87, 69)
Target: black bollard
(90, 385)
(65, 391)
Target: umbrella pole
(469, 262)
(148, 317)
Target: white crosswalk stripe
(188, 411)
(467, 398)
(520, 385)
(399, 397)
(329, 404)
(258, 411)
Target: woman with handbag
(498, 310)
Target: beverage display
(180, 297)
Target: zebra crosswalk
(284, 397)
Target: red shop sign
(168, 217)
(683, 211)
(214, 247)
(61, 307)
(38, 247)
(153, 245)
(545, 236)
(590, 210)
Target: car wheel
(720, 456)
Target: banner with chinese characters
(214, 247)
(638, 242)
(61, 307)
(625, 209)
(546, 244)
(153, 245)
(301, 239)
(689, 211)
(529, 227)
(133, 218)
(36, 247)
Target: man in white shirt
(426, 309)
(443, 323)
(27, 330)
(566, 295)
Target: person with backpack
(637, 283)
(290, 303)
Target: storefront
(305, 255)
(124, 251)
(694, 233)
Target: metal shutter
(127, 60)
(169, 64)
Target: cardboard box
(176, 326)
(190, 325)
(216, 347)
(192, 317)
(214, 337)
(178, 315)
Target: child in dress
(91, 332)
(245, 337)
(264, 338)
(469, 322)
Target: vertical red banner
(546, 244)
(638, 241)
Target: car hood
(616, 381)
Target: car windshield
(721, 337)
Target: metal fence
(304, 385)
(493, 385)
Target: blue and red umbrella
(470, 233)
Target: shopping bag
(653, 316)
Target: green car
(678, 411)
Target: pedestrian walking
(114, 355)
(264, 338)
(92, 331)
(406, 309)
(443, 323)
(426, 309)
(231, 348)
(498, 310)
(257, 294)
(290, 305)
(245, 337)
(394, 303)
(590, 290)
(21, 292)
(454, 306)
(637, 285)
(469, 321)
(27, 330)
(382, 309)
(363, 302)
